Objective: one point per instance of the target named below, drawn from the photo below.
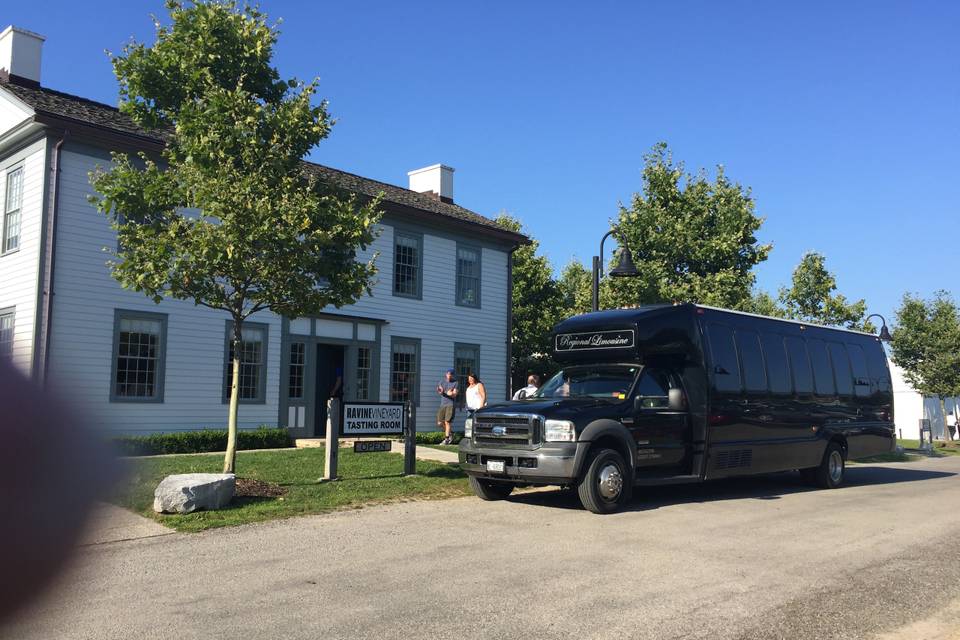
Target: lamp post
(884, 333)
(624, 269)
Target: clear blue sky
(841, 116)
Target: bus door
(662, 433)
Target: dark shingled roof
(65, 106)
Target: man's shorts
(445, 413)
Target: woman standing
(476, 393)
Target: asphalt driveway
(751, 558)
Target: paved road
(753, 558)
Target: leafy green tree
(692, 239)
(764, 304)
(537, 306)
(926, 345)
(812, 298)
(576, 288)
(227, 217)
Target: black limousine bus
(685, 393)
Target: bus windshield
(611, 381)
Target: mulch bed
(249, 488)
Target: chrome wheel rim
(835, 466)
(610, 481)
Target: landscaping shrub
(436, 437)
(201, 441)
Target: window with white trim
(404, 369)
(12, 203)
(407, 264)
(363, 373)
(6, 333)
(466, 359)
(253, 358)
(138, 346)
(468, 276)
(297, 367)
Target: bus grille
(507, 430)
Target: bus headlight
(468, 428)
(559, 431)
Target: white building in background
(442, 298)
(910, 406)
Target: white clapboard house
(910, 407)
(441, 299)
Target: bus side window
(778, 371)
(723, 356)
(877, 366)
(841, 368)
(653, 389)
(822, 371)
(754, 373)
(861, 379)
(800, 365)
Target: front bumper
(551, 463)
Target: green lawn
(909, 455)
(941, 448)
(368, 478)
(893, 456)
(446, 447)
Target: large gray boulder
(187, 492)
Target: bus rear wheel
(489, 489)
(831, 471)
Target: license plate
(495, 466)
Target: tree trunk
(230, 457)
(946, 428)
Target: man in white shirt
(533, 383)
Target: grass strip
(366, 479)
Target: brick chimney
(436, 179)
(20, 54)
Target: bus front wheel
(490, 490)
(607, 482)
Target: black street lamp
(884, 334)
(624, 268)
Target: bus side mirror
(676, 401)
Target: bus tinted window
(778, 370)
(754, 375)
(653, 388)
(841, 369)
(822, 371)
(861, 379)
(877, 366)
(726, 372)
(800, 365)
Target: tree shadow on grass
(240, 502)
(450, 471)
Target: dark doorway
(329, 368)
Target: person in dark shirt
(447, 389)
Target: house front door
(330, 381)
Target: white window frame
(261, 397)
(159, 373)
(6, 346)
(9, 212)
(462, 277)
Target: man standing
(448, 393)
(533, 383)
